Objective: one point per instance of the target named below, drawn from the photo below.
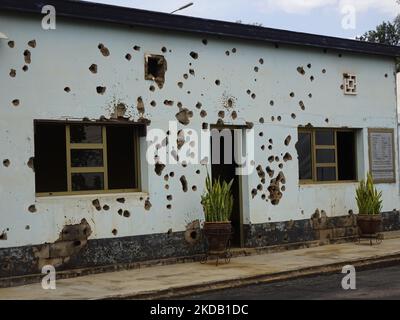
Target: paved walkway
(195, 277)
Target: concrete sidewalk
(188, 278)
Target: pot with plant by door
(217, 202)
(369, 202)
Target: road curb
(175, 292)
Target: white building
(77, 103)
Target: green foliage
(369, 200)
(217, 200)
(385, 33)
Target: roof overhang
(179, 23)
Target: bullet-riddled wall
(56, 75)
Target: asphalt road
(371, 284)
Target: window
(155, 68)
(350, 84)
(86, 158)
(326, 155)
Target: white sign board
(381, 154)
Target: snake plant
(217, 200)
(369, 200)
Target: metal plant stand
(225, 253)
(377, 237)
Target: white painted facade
(62, 58)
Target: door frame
(237, 149)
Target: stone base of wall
(64, 255)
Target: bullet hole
(100, 90)
(121, 200)
(293, 116)
(194, 55)
(180, 84)
(221, 114)
(270, 172)
(227, 53)
(262, 197)
(277, 159)
(279, 118)
(312, 78)
(261, 61)
(172, 174)
(32, 43)
(301, 70)
(234, 50)
(271, 159)
(93, 68)
(169, 197)
(287, 157)
(323, 70)
(327, 120)
(310, 95)
(3, 235)
(11, 44)
(27, 227)
(287, 140)
(259, 187)
(275, 194)
(270, 147)
(96, 204)
(234, 115)
(13, 73)
(184, 116)
(152, 88)
(188, 92)
(271, 141)
(309, 66)
(147, 205)
(25, 68)
(136, 48)
(6, 163)
(271, 102)
(292, 94)
(166, 187)
(185, 76)
(184, 183)
(301, 104)
(386, 75)
(169, 207)
(168, 102)
(158, 168)
(204, 41)
(126, 214)
(120, 212)
(164, 49)
(261, 134)
(350, 212)
(67, 89)
(256, 69)
(104, 50)
(203, 113)
(253, 193)
(106, 207)
(248, 91)
(27, 56)
(153, 103)
(32, 208)
(217, 82)
(194, 188)
(253, 95)
(262, 147)
(15, 102)
(30, 163)
(114, 232)
(128, 56)
(191, 71)
(342, 87)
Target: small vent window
(350, 84)
(155, 68)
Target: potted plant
(369, 202)
(217, 202)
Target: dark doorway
(225, 169)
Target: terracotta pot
(369, 224)
(217, 235)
